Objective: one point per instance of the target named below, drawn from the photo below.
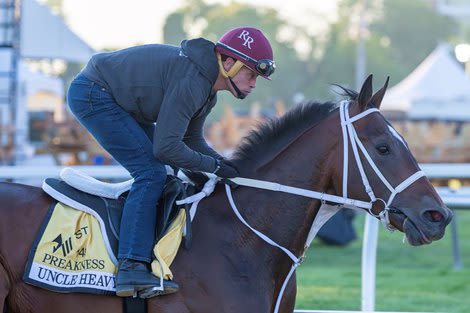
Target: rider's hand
(226, 169)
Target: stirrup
(131, 291)
(150, 293)
(153, 292)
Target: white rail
(41, 172)
(446, 170)
(454, 199)
(441, 170)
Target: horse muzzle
(421, 226)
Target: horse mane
(274, 133)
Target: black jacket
(168, 85)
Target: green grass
(413, 279)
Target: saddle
(106, 201)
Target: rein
(349, 136)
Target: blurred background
(423, 45)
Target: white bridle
(349, 135)
(349, 132)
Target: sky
(122, 23)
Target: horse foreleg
(4, 287)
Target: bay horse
(346, 151)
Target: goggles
(265, 67)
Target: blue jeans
(130, 144)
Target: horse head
(401, 196)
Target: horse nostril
(434, 216)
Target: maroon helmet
(249, 46)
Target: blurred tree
(338, 64)
(173, 31)
(411, 29)
(399, 35)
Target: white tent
(438, 88)
(46, 36)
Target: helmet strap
(240, 95)
(233, 71)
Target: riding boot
(134, 277)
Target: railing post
(455, 244)
(369, 255)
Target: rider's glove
(226, 169)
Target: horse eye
(383, 149)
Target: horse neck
(308, 162)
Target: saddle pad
(70, 255)
(107, 211)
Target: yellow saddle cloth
(70, 253)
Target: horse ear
(379, 95)
(365, 94)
